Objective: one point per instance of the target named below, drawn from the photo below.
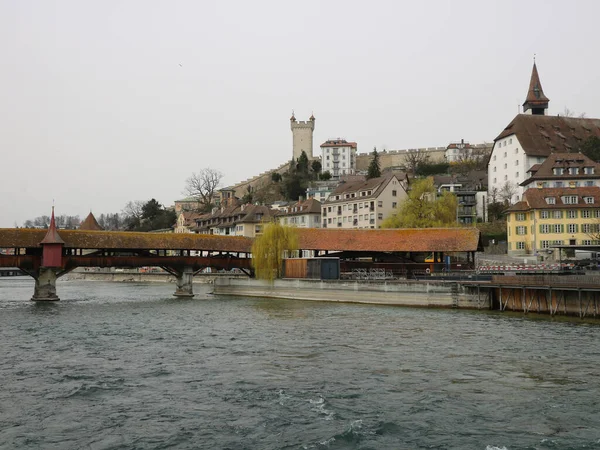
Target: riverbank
(438, 294)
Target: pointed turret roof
(535, 94)
(52, 236)
(90, 223)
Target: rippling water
(128, 366)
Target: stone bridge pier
(45, 285)
(184, 280)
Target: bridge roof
(31, 238)
(391, 240)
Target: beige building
(302, 214)
(236, 220)
(364, 204)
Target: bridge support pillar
(184, 283)
(45, 285)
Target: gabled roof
(545, 170)
(535, 198)
(375, 185)
(90, 223)
(391, 240)
(543, 135)
(535, 93)
(310, 206)
(338, 143)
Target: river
(128, 366)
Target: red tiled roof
(310, 206)
(375, 185)
(565, 161)
(52, 236)
(338, 143)
(542, 135)
(391, 240)
(535, 198)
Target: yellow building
(549, 217)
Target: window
(586, 214)
(573, 228)
(557, 214)
(510, 141)
(494, 181)
(544, 229)
(570, 199)
(551, 200)
(590, 227)
(545, 244)
(380, 204)
(558, 184)
(494, 168)
(557, 171)
(380, 216)
(520, 245)
(572, 214)
(394, 204)
(505, 177)
(517, 175)
(521, 230)
(544, 214)
(505, 165)
(394, 193)
(517, 162)
(588, 200)
(494, 157)
(520, 216)
(589, 183)
(558, 228)
(505, 154)
(588, 170)
(574, 170)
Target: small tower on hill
(302, 134)
(536, 102)
(90, 223)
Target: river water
(128, 366)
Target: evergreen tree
(374, 170)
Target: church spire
(536, 101)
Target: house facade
(302, 214)
(338, 157)
(364, 204)
(550, 217)
(236, 220)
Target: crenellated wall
(395, 158)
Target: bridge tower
(52, 250)
(302, 136)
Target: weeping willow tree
(269, 248)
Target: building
(302, 137)
(338, 157)
(302, 214)
(529, 139)
(364, 204)
(235, 220)
(471, 194)
(320, 190)
(186, 222)
(463, 151)
(549, 217)
(564, 170)
(90, 224)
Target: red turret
(536, 100)
(52, 245)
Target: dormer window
(573, 170)
(557, 170)
(570, 199)
(588, 170)
(589, 200)
(551, 200)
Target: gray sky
(102, 102)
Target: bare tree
(570, 113)
(414, 158)
(203, 185)
(507, 192)
(134, 209)
(494, 194)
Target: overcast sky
(102, 102)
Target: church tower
(536, 102)
(302, 133)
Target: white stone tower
(302, 133)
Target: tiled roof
(565, 161)
(391, 240)
(52, 236)
(310, 206)
(542, 135)
(535, 198)
(338, 143)
(30, 238)
(375, 185)
(90, 223)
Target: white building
(338, 157)
(302, 214)
(364, 204)
(529, 139)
